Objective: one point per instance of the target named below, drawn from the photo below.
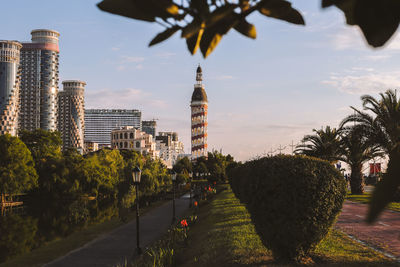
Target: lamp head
(173, 176)
(136, 174)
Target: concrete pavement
(120, 245)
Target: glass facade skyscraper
(39, 83)
(9, 86)
(71, 114)
(100, 122)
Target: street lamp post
(173, 200)
(136, 173)
(190, 190)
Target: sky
(264, 94)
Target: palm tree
(355, 149)
(324, 144)
(382, 128)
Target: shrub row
(293, 201)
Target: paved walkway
(383, 234)
(113, 248)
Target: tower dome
(199, 94)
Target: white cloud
(121, 67)
(125, 98)
(393, 44)
(347, 38)
(165, 55)
(126, 62)
(364, 81)
(321, 25)
(130, 59)
(358, 69)
(352, 38)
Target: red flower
(195, 203)
(209, 188)
(184, 223)
(215, 182)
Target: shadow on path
(119, 245)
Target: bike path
(119, 246)
(383, 234)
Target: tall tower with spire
(199, 108)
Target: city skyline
(313, 73)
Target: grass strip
(225, 236)
(59, 247)
(366, 198)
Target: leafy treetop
(17, 172)
(203, 22)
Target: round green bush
(293, 201)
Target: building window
(137, 144)
(120, 136)
(126, 144)
(131, 136)
(126, 136)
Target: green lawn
(60, 247)
(365, 198)
(225, 236)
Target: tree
(74, 164)
(45, 147)
(214, 164)
(17, 235)
(324, 144)
(382, 128)
(355, 149)
(203, 23)
(17, 172)
(42, 143)
(103, 171)
(159, 173)
(132, 159)
(201, 168)
(183, 164)
(148, 183)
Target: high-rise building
(150, 127)
(199, 108)
(9, 86)
(100, 122)
(71, 114)
(39, 81)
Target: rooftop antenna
(280, 149)
(292, 146)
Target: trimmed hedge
(293, 201)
